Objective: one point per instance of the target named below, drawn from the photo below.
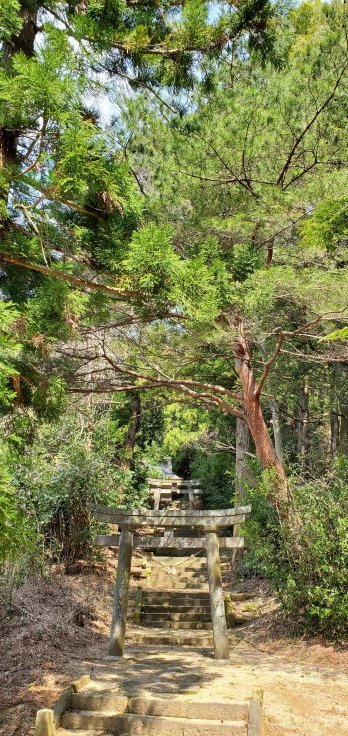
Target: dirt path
(58, 628)
(299, 700)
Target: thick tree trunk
(128, 449)
(277, 432)
(279, 494)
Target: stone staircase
(181, 573)
(103, 713)
(176, 609)
(175, 594)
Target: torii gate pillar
(217, 603)
(119, 611)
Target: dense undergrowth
(307, 563)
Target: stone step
(185, 579)
(192, 625)
(178, 585)
(180, 602)
(180, 571)
(87, 700)
(175, 608)
(204, 710)
(199, 588)
(169, 590)
(187, 597)
(150, 618)
(172, 638)
(178, 580)
(174, 570)
(177, 596)
(149, 725)
(78, 732)
(90, 700)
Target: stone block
(44, 724)
(80, 682)
(158, 707)
(197, 727)
(96, 701)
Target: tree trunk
(128, 449)
(279, 494)
(334, 433)
(277, 430)
(334, 412)
(343, 443)
(242, 448)
(303, 425)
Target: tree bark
(277, 430)
(334, 433)
(128, 449)
(334, 412)
(303, 425)
(279, 495)
(343, 443)
(242, 448)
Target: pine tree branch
(81, 283)
(281, 177)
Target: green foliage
(152, 264)
(307, 561)
(216, 471)
(54, 309)
(336, 335)
(328, 225)
(18, 542)
(9, 349)
(10, 20)
(59, 475)
(245, 260)
(316, 585)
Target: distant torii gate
(208, 522)
(166, 489)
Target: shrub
(307, 564)
(19, 545)
(56, 479)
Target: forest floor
(56, 628)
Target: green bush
(19, 544)
(216, 473)
(306, 563)
(60, 473)
(13, 524)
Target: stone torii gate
(130, 521)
